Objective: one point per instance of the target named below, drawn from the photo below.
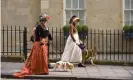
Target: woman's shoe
(81, 65)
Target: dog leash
(54, 46)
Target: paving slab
(94, 74)
(98, 71)
(3, 64)
(124, 74)
(128, 68)
(119, 69)
(12, 66)
(60, 73)
(108, 73)
(131, 72)
(79, 70)
(80, 75)
(106, 70)
(92, 69)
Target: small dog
(62, 65)
(89, 54)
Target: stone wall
(54, 8)
(104, 13)
(99, 13)
(14, 12)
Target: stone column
(33, 14)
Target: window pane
(127, 4)
(68, 3)
(132, 17)
(75, 13)
(81, 14)
(75, 4)
(127, 17)
(81, 4)
(68, 14)
(81, 22)
(132, 4)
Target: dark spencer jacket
(41, 32)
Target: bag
(81, 46)
(32, 38)
(50, 37)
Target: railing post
(25, 43)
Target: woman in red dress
(37, 62)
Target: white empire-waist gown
(72, 52)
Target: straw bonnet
(76, 19)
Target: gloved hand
(77, 44)
(41, 43)
(32, 38)
(47, 44)
(50, 37)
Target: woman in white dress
(72, 52)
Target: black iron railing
(111, 43)
(13, 40)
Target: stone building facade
(97, 13)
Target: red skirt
(37, 62)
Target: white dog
(62, 65)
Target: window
(75, 7)
(128, 12)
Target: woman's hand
(77, 44)
(74, 40)
(41, 43)
(32, 38)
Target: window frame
(123, 2)
(72, 9)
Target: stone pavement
(99, 72)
